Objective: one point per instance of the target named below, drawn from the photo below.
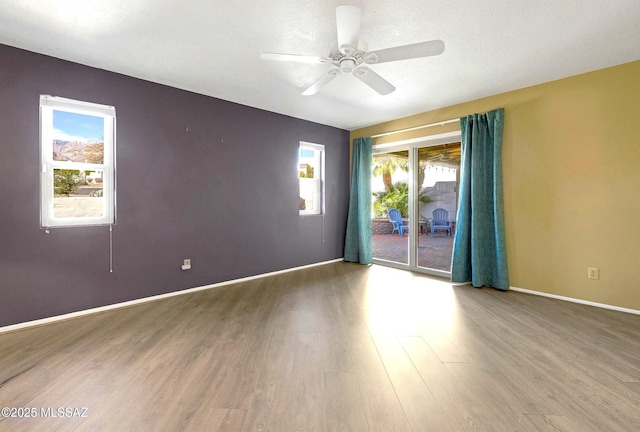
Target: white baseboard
(71, 315)
(575, 300)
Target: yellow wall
(571, 161)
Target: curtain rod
(441, 123)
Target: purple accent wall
(198, 178)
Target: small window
(77, 152)
(311, 174)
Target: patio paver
(433, 252)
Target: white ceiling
(213, 47)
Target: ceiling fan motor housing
(347, 59)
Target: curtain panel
(479, 249)
(357, 245)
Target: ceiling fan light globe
(347, 66)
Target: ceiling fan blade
(323, 81)
(405, 52)
(348, 22)
(294, 58)
(373, 80)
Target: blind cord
(110, 248)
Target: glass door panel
(438, 178)
(390, 224)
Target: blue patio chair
(439, 221)
(395, 217)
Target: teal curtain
(479, 249)
(357, 244)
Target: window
(311, 174)
(77, 154)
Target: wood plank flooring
(338, 347)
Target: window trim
(47, 165)
(318, 178)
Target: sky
(432, 176)
(69, 126)
(306, 153)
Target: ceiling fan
(443, 156)
(351, 56)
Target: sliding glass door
(415, 197)
(391, 224)
(438, 180)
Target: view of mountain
(75, 151)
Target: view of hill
(75, 151)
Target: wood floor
(338, 347)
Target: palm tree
(422, 167)
(386, 166)
(397, 197)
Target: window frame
(317, 180)
(47, 164)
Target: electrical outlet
(186, 264)
(593, 273)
